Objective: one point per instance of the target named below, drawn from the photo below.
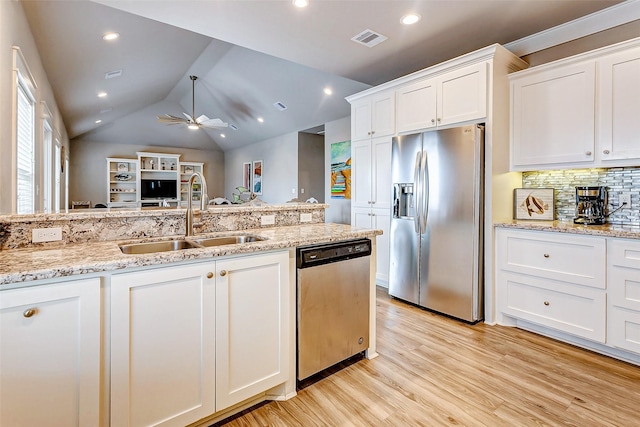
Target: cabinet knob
(588, 153)
(546, 255)
(372, 132)
(606, 151)
(369, 133)
(29, 312)
(433, 121)
(547, 303)
(439, 119)
(223, 273)
(209, 275)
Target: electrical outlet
(267, 220)
(305, 217)
(52, 234)
(624, 198)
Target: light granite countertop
(606, 230)
(28, 264)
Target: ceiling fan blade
(188, 117)
(213, 123)
(170, 119)
(202, 118)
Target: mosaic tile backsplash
(617, 180)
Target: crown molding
(605, 19)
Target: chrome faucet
(203, 201)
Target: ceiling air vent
(280, 106)
(234, 127)
(369, 38)
(112, 74)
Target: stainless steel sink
(150, 247)
(227, 240)
(178, 245)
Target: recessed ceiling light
(102, 94)
(260, 119)
(110, 36)
(98, 121)
(411, 18)
(222, 135)
(300, 3)
(327, 91)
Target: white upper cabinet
(416, 106)
(553, 117)
(619, 107)
(462, 95)
(454, 97)
(373, 116)
(577, 112)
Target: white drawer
(624, 252)
(572, 309)
(624, 329)
(623, 286)
(559, 256)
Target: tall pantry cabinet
(472, 88)
(372, 128)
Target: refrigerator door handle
(417, 182)
(424, 179)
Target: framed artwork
(256, 177)
(533, 203)
(246, 175)
(341, 170)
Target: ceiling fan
(190, 120)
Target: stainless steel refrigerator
(436, 225)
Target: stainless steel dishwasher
(333, 293)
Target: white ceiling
(250, 54)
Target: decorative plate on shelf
(122, 177)
(123, 167)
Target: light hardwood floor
(435, 371)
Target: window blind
(25, 150)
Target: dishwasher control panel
(309, 256)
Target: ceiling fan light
(300, 3)
(193, 126)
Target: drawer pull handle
(547, 303)
(223, 273)
(29, 312)
(546, 255)
(209, 275)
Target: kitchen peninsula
(185, 336)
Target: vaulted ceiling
(251, 54)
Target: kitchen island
(184, 337)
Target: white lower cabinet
(50, 354)
(252, 323)
(624, 294)
(192, 340)
(554, 280)
(583, 286)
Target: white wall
(280, 163)
(339, 210)
(88, 167)
(15, 31)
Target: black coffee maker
(591, 205)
